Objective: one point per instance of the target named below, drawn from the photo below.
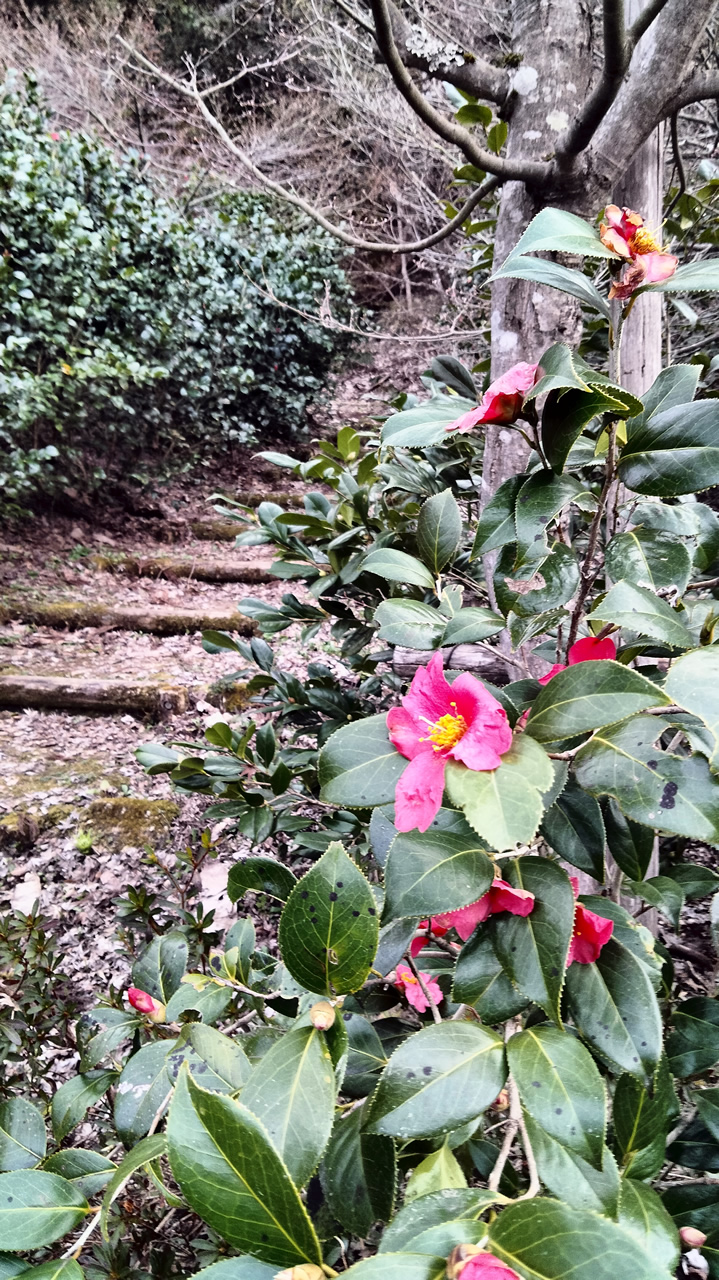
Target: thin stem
(425, 990)
(535, 1185)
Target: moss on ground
(128, 820)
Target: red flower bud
(480, 1265)
(144, 1003)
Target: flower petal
(488, 733)
(418, 794)
(466, 919)
(658, 266)
(404, 732)
(468, 421)
(504, 897)
(429, 694)
(591, 932)
(553, 671)
(590, 649)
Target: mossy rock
(229, 694)
(21, 828)
(123, 821)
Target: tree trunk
(108, 697)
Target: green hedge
(130, 332)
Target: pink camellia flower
(406, 982)
(647, 263)
(144, 1003)
(590, 934)
(429, 929)
(484, 1266)
(55, 137)
(502, 401)
(438, 722)
(589, 649)
(501, 897)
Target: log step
(174, 567)
(156, 620)
(60, 693)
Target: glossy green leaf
(366, 1057)
(480, 980)
(242, 1268)
(706, 1102)
(75, 1097)
(217, 1062)
(574, 828)
(630, 843)
(643, 1215)
(445, 1236)
(565, 370)
(573, 1179)
(329, 928)
(496, 527)
(439, 1171)
(564, 417)
(399, 1266)
(161, 966)
(239, 948)
(260, 875)
(695, 1148)
(37, 1208)
(140, 1156)
(22, 1135)
(660, 892)
(641, 1123)
(561, 1088)
(425, 424)
(470, 625)
(11, 1266)
(359, 766)
(533, 949)
(566, 279)
(437, 870)
(62, 1269)
(560, 232)
(649, 558)
(673, 386)
(503, 805)
(101, 1031)
(639, 609)
(88, 1171)
(431, 1211)
(696, 880)
(141, 1089)
(230, 1173)
(674, 452)
(536, 588)
(546, 1240)
(439, 531)
(694, 1205)
(588, 696)
(693, 683)
(394, 939)
(210, 1003)
(292, 1092)
(397, 566)
(359, 1174)
(693, 1045)
(438, 1079)
(674, 793)
(614, 1005)
(449, 369)
(540, 500)
(410, 623)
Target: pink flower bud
(144, 1003)
(691, 1237)
(322, 1015)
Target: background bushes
(130, 330)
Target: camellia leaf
(630, 843)
(533, 949)
(545, 1240)
(161, 966)
(539, 587)
(260, 875)
(87, 1170)
(706, 1102)
(660, 892)
(62, 1269)
(74, 1097)
(140, 1157)
(22, 1135)
(557, 231)
(574, 828)
(503, 805)
(573, 1179)
(329, 928)
(292, 1091)
(588, 696)
(615, 1008)
(560, 1086)
(397, 566)
(701, 276)
(673, 386)
(410, 623)
(693, 682)
(366, 1057)
(564, 417)
(101, 1031)
(496, 527)
(230, 1173)
(540, 501)
(37, 1208)
(439, 1171)
(469, 625)
(670, 792)
(217, 1062)
(480, 980)
(566, 279)
(10, 1266)
(640, 610)
(439, 531)
(141, 1089)
(433, 1210)
(437, 870)
(242, 1268)
(449, 369)
(674, 452)
(641, 1123)
(437, 1080)
(425, 424)
(359, 1174)
(649, 558)
(359, 766)
(399, 1266)
(693, 1045)
(564, 370)
(643, 1215)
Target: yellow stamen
(447, 731)
(644, 242)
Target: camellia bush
(459, 1063)
(130, 330)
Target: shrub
(129, 327)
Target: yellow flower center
(644, 242)
(446, 731)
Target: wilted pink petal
(406, 982)
(591, 933)
(466, 919)
(502, 402)
(419, 791)
(504, 897)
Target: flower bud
(306, 1271)
(459, 1257)
(322, 1016)
(692, 1237)
(475, 1263)
(144, 1003)
(501, 1102)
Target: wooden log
(174, 567)
(60, 693)
(216, 530)
(157, 620)
(460, 657)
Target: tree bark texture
(172, 567)
(58, 693)
(156, 621)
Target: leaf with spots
(329, 927)
(292, 1092)
(217, 1062)
(561, 1088)
(587, 696)
(231, 1175)
(141, 1089)
(571, 1178)
(37, 1208)
(22, 1135)
(437, 870)
(74, 1098)
(358, 765)
(437, 1080)
(615, 1009)
(533, 949)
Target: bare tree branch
(189, 89)
(472, 73)
(617, 54)
(702, 85)
(644, 21)
(532, 171)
